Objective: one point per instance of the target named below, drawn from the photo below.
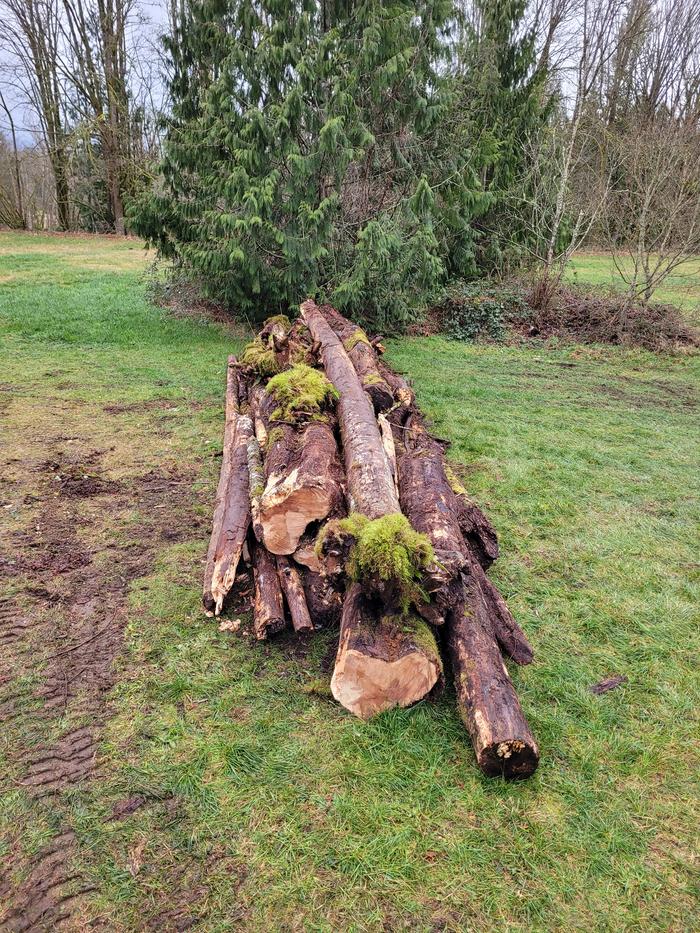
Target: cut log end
(511, 759)
(383, 661)
(285, 514)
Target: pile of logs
(319, 428)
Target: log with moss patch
(303, 473)
(384, 660)
(232, 509)
(359, 348)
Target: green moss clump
(301, 392)
(260, 358)
(280, 319)
(358, 337)
(387, 549)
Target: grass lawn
(223, 790)
(681, 288)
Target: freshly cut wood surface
(232, 508)
(306, 486)
(382, 661)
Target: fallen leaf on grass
(608, 684)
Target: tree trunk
(293, 590)
(383, 661)
(370, 484)
(232, 508)
(488, 703)
(268, 609)
(363, 357)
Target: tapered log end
(510, 758)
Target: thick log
(304, 487)
(362, 354)
(232, 509)
(382, 661)
(268, 608)
(293, 590)
(370, 484)
(488, 703)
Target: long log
(382, 661)
(293, 590)
(488, 703)
(370, 484)
(268, 608)
(232, 509)
(362, 354)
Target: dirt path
(82, 529)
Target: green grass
(681, 288)
(270, 808)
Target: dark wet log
(232, 509)
(363, 356)
(370, 484)
(324, 601)
(508, 633)
(383, 661)
(488, 703)
(293, 590)
(268, 609)
(478, 531)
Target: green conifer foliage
(306, 155)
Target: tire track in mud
(61, 631)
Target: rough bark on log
(382, 661)
(362, 354)
(268, 608)
(370, 485)
(293, 590)
(509, 635)
(232, 509)
(256, 484)
(324, 601)
(488, 703)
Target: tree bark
(268, 609)
(383, 661)
(232, 508)
(324, 601)
(363, 357)
(370, 484)
(293, 590)
(488, 703)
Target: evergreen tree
(307, 155)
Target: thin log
(256, 484)
(268, 608)
(382, 661)
(232, 508)
(325, 602)
(360, 350)
(488, 703)
(510, 636)
(293, 590)
(370, 485)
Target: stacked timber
(335, 492)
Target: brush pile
(336, 493)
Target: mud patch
(61, 630)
